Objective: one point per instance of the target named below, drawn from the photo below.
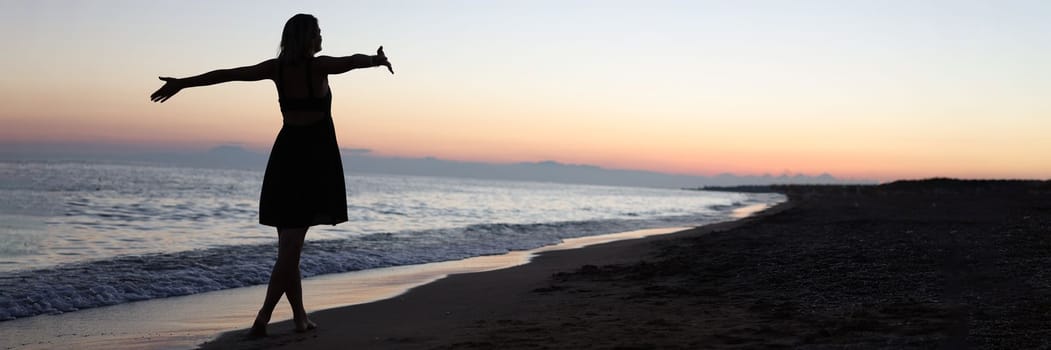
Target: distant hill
(550, 171)
(360, 161)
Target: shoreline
(193, 319)
(407, 319)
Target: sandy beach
(928, 264)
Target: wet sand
(934, 264)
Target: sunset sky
(859, 89)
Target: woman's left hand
(381, 59)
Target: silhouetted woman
(303, 185)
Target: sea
(79, 235)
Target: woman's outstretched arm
(264, 70)
(339, 65)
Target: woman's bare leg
(284, 280)
(294, 286)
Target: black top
(309, 103)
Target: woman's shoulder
(314, 62)
(326, 64)
(322, 60)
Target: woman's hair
(297, 40)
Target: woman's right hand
(170, 88)
(381, 59)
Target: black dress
(304, 184)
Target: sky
(859, 89)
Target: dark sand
(935, 264)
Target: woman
(303, 185)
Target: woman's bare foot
(258, 331)
(259, 326)
(304, 326)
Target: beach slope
(924, 264)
